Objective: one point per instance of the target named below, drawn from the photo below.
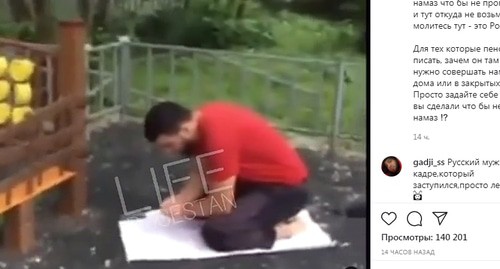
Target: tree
(43, 15)
(44, 21)
(19, 10)
(101, 13)
(240, 9)
(87, 11)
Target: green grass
(206, 78)
(303, 35)
(291, 93)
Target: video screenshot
(243, 134)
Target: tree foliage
(37, 19)
(204, 24)
(201, 23)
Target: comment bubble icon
(414, 219)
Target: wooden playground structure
(43, 146)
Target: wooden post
(71, 81)
(19, 231)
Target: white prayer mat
(158, 238)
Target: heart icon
(389, 217)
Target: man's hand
(171, 207)
(174, 205)
(165, 205)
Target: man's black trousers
(259, 208)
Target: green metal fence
(318, 98)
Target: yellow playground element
(20, 70)
(15, 81)
(22, 94)
(4, 90)
(4, 64)
(5, 110)
(19, 114)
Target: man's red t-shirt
(235, 141)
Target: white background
(467, 134)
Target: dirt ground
(119, 151)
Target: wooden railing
(47, 148)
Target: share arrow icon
(440, 215)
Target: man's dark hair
(164, 118)
(385, 169)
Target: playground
(71, 128)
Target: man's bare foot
(289, 228)
(287, 221)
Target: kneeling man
(246, 163)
